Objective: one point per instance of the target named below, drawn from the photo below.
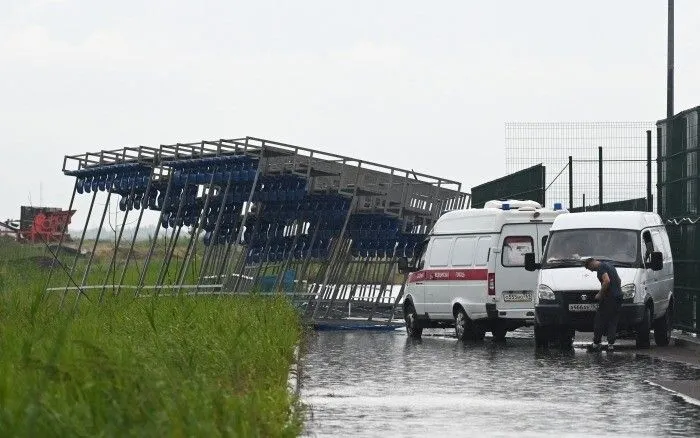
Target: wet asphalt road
(385, 384)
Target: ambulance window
(482, 251)
(514, 250)
(463, 254)
(544, 243)
(440, 251)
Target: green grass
(175, 366)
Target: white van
(470, 272)
(637, 245)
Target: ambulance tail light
(492, 283)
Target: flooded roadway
(385, 384)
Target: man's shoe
(594, 348)
(611, 348)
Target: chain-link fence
(578, 154)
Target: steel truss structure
(255, 215)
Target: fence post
(650, 202)
(659, 180)
(571, 183)
(584, 202)
(600, 178)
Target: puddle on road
(385, 384)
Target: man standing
(610, 303)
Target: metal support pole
(196, 229)
(213, 242)
(247, 209)
(60, 241)
(571, 182)
(307, 260)
(600, 178)
(398, 298)
(670, 64)
(659, 167)
(113, 261)
(80, 247)
(174, 237)
(92, 253)
(584, 201)
(390, 271)
(336, 247)
(669, 103)
(345, 266)
(650, 201)
(360, 277)
(133, 241)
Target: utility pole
(669, 75)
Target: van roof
(490, 220)
(629, 220)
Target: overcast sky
(414, 84)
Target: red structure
(39, 224)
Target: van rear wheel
(466, 329)
(413, 328)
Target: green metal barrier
(679, 204)
(637, 204)
(526, 184)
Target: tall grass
(168, 366)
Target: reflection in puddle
(370, 384)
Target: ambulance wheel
(466, 329)
(462, 325)
(413, 328)
(643, 328)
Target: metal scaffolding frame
(243, 215)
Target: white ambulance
(470, 272)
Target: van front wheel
(542, 336)
(643, 329)
(413, 328)
(663, 327)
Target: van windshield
(571, 247)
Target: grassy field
(175, 366)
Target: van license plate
(592, 307)
(517, 296)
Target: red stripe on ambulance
(449, 275)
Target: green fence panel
(526, 184)
(679, 201)
(637, 204)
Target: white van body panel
(649, 284)
(466, 246)
(581, 279)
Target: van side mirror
(530, 264)
(657, 261)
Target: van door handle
(419, 282)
